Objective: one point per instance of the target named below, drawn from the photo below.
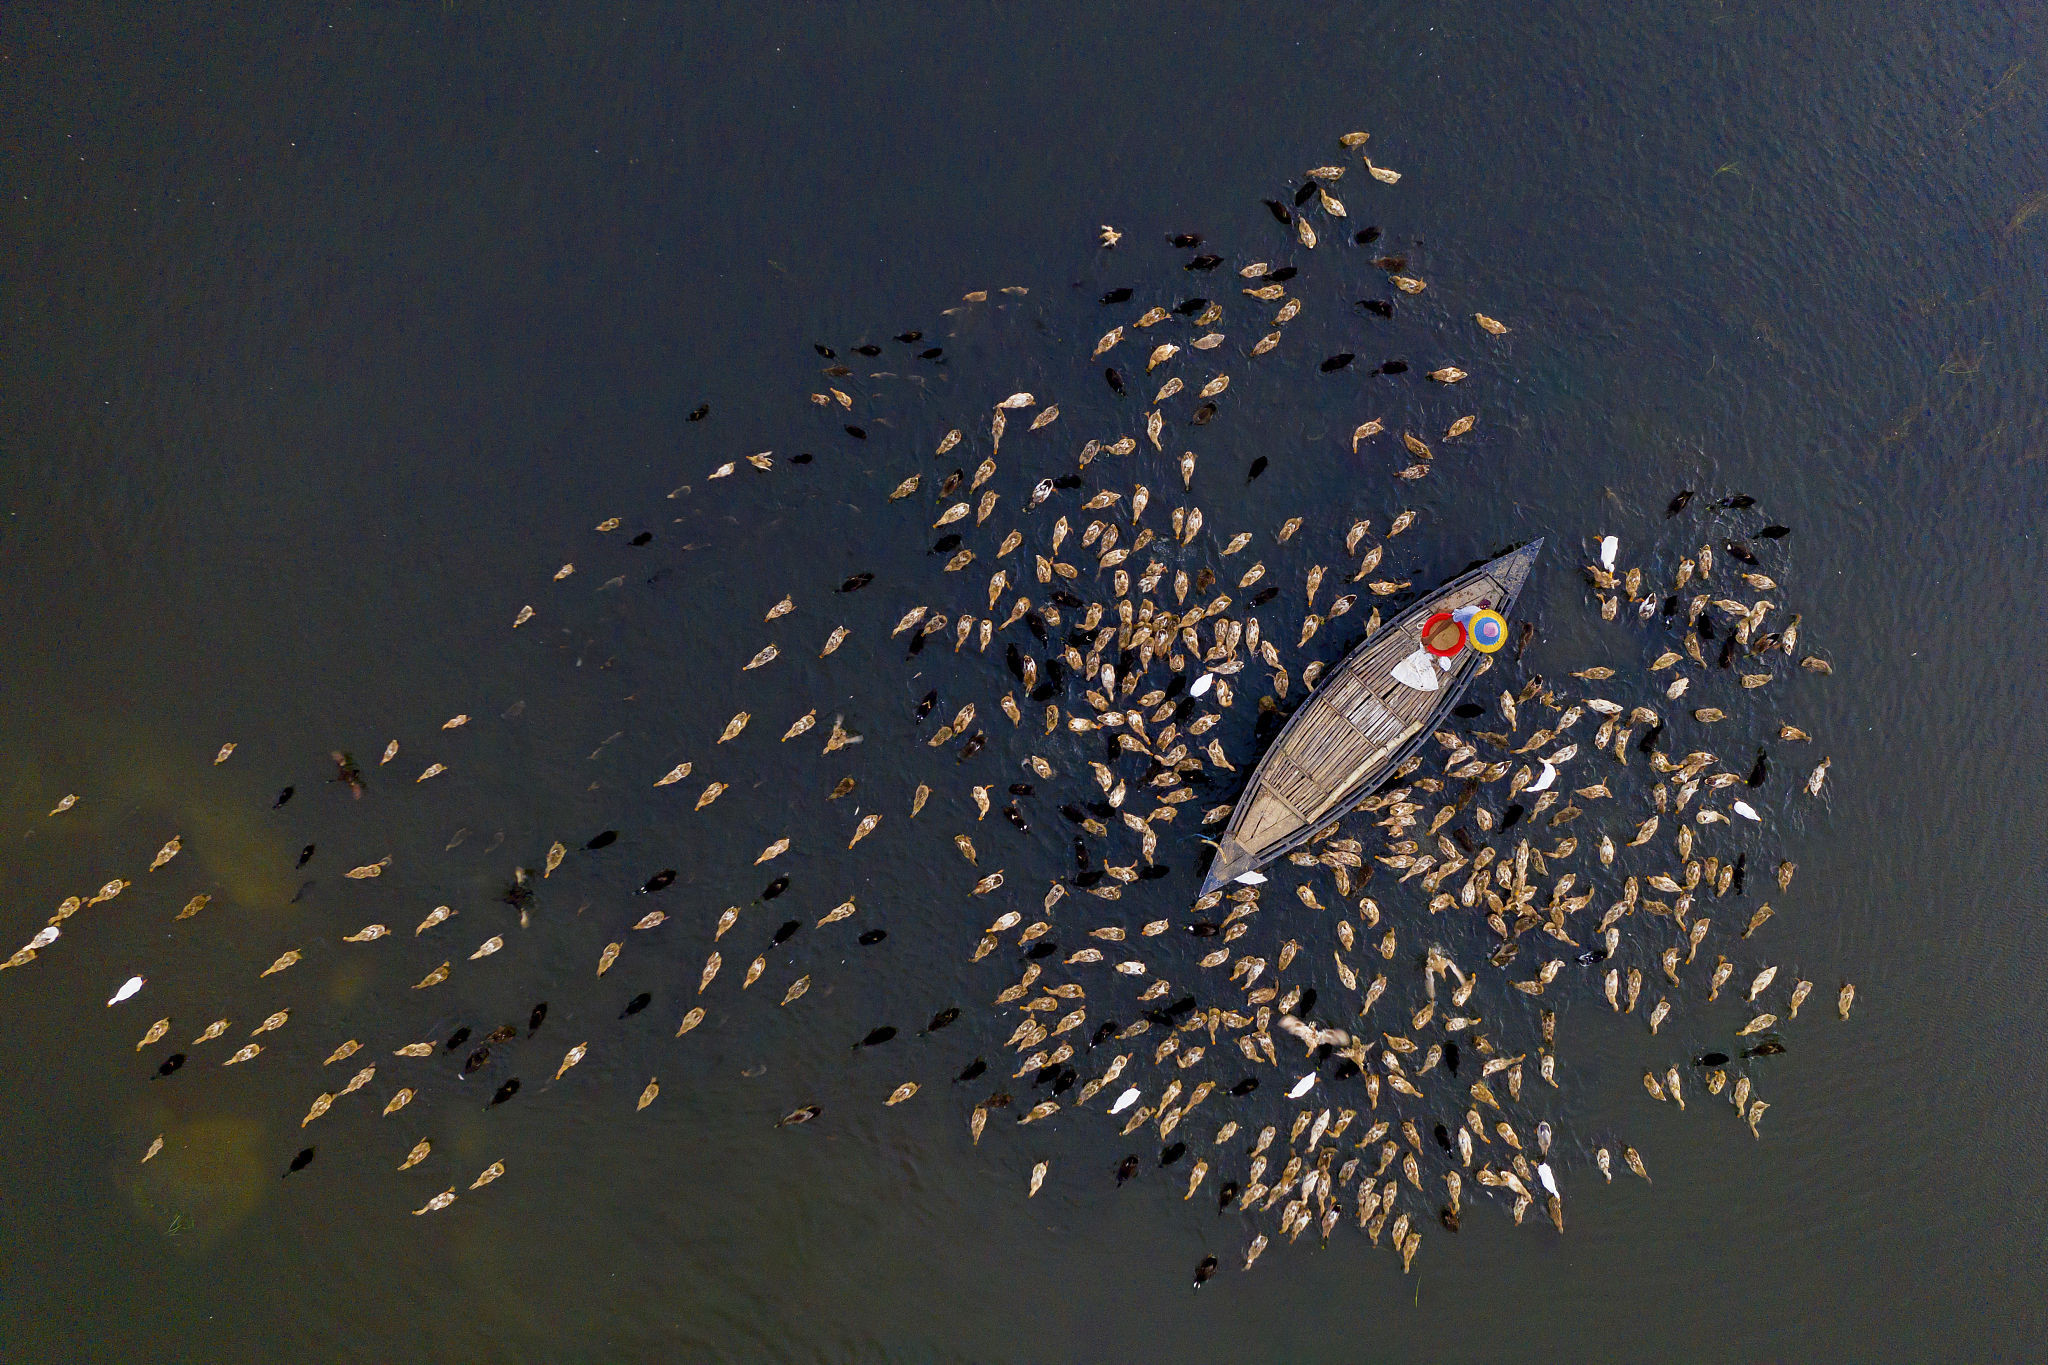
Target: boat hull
(1367, 715)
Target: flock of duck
(1369, 1033)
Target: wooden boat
(1370, 712)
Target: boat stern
(1231, 862)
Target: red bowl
(1431, 627)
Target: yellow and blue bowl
(1487, 631)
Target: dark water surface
(327, 335)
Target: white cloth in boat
(1415, 671)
